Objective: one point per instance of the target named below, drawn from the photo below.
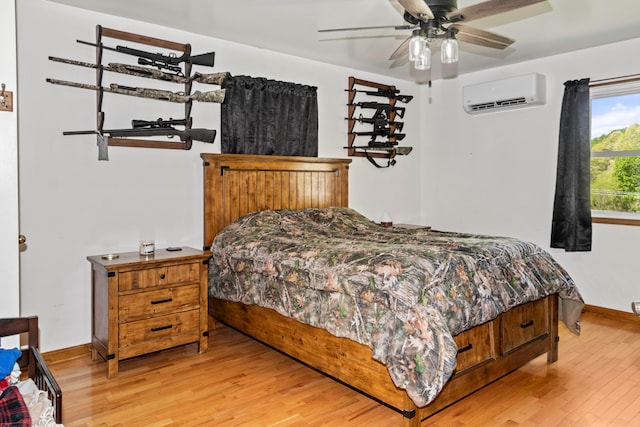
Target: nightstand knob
(162, 276)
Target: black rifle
(388, 93)
(159, 60)
(204, 135)
(382, 108)
(386, 132)
(160, 123)
(380, 121)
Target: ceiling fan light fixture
(449, 51)
(440, 22)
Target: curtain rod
(615, 80)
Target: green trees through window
(615, 153)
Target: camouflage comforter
(402, 292)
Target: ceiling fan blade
(417, 8)
(482, 37)
(402, 50)
(488, 8)
(395, 27)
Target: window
(615, 153)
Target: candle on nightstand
(147, 247)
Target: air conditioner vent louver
(498, 104)
(510, 93)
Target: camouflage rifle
(382, 108)
(158, 60)
(151, 73)
(165, 95)
(402, 151)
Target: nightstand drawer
(150, 334)
(159, 301)
(151, 277)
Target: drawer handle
(162, 301)
(526, 325)
(467, 348)
(161, 328)
(162, 276)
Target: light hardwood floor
(239, 382)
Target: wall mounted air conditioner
(505, 94)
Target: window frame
(608, 90)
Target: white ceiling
(291, 27)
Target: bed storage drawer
(166, 275)
(474, 346)
(525, 323)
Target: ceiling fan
(441, 20)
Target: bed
(32, 362)
(244, 191)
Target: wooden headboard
(237, 184)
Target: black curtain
(571, 226)
(261, 116)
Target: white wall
(495, 173)
(72, 205)
(9, 262)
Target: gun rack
(102, 32)
(355, 150)
(182, 69)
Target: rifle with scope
(150, 73)
(203, 135)
(160, 61)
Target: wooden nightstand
(142, 304)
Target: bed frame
(235, 185)
(32, 361)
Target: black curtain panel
(571, 226)
(261, 116)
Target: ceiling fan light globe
(449, 51)
(417, 47)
